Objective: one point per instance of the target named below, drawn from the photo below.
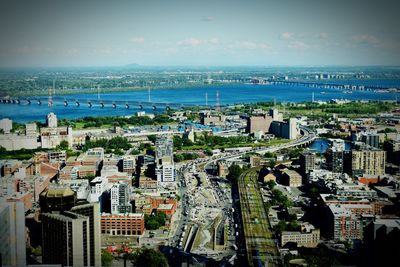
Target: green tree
(271, 184)
(155, 221)
(37, 251)
(146, 257)
(106, 258)
(234, 173)
(63, 145)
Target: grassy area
(257, 231)
(81, 126)
(273, 142)
(315, 110)
(353, 109)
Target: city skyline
(206, 33)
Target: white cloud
(197, 42)
(366, 39)
(102, 51)
(298, 45)
(252, 45)
(137, 40)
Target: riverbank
(94, 91)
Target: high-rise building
(371, 139)
(258, 123)
(334, 159)
(12, 233)
(129, 164)
(288, 130)
(343, 224)
(165, 169)
(307, 162)
(393, 151)
(57, 198)
(367, 161)
(381, 238)
(164, 148)
(51, 120)
(293, 131)
(276, 115)
(120, 198)
(66, 239)
(166, 173)
(93, 212)
(31, 129)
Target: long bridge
(330, 85)
(91, 103)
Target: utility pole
(149, 95)
(50, 100)
(217, 107)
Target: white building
(52, 120)
(6, 125)
(31, 130)
(120, 199)
(16, 142)
(97, 151)
(12, 233)
(166, 174)
(97, 186)
(129, 164)
(52, 137)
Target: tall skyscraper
(165, 168)
(164, 148)
(307, 162)
(12, 233)
(334, 159)
(93, 212)
(120, 198)
(66, 239)
(72, 237)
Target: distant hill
(133, 65)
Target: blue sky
(209, 33)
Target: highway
(264, 243)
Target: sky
(199, 33)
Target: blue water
(232, 94)
(321, 145)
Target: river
(229, 94)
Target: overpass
(307, 137)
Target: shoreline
(44, 92)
